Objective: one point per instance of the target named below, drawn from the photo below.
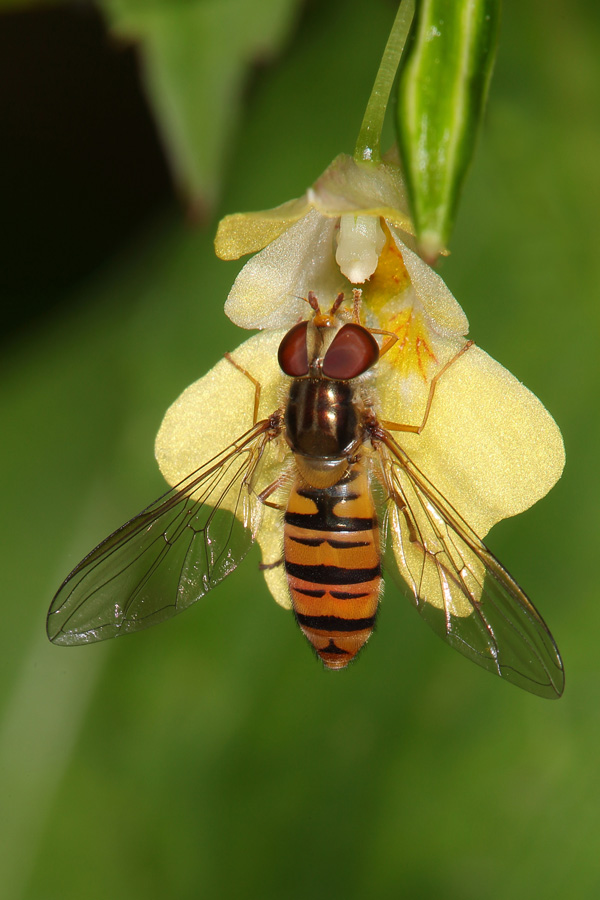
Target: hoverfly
(348, 489)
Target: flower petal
(489, 445)
(270, 539)
(215, 410)
(347, 186)
(243, 233)
(446, 314)
(269, 291)
(201, 423)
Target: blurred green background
(213, 757)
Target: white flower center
(360, 241)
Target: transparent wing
(169, 555)
(458, 585)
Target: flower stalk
(368, 144)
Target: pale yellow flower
(489, 446)
(327, 241)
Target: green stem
(369, 138)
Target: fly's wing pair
(458, 586)
(185, 543)
(171, 554)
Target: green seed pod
(441, 97)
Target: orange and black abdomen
(333, 564)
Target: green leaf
(441, 99)
(195, 56)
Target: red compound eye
(293, 351)
(352, 351)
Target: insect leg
(390, 336)
(270, 489)
(417, 429)
(267, 493)
(391, 339)
(256, 384)
(263, 567)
